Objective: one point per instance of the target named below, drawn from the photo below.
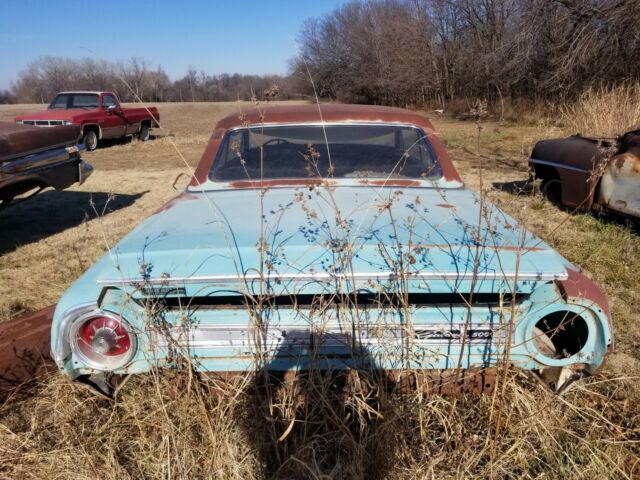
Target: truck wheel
(90, 141)
(144, 133)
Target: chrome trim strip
(553, 164)
(326, 277)
(223, 336)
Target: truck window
(87, 101)
(108, 100)
(75, 100)
(60, 102)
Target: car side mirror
(112, 108)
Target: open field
(50, 240)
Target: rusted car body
(32, 159)
(24, 346)
(585, 173)
(331, 238)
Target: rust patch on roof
(394, 182)
(171, 203)
(327, 112)
(313, 113)
(285, 182)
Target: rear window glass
(336, 151)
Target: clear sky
(243, 36)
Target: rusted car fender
(24, 346)
(572, 162)
(619, 187)
(585, 173)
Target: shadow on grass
(322, 423)
(518, 187)
(53, 212)
(606, 217)
(113, 142)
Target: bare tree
(414, 51)
(135, 79)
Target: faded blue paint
(206, 244)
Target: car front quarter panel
(580, 313)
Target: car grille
(43, 123)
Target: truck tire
(90, 140)
(144, 133)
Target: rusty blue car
(336, 238)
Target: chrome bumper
(84, 171)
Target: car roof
(315, 113)
(92, 92)
(323, 112)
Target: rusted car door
(620, 184)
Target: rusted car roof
(330, 112)
(315, 113)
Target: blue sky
(244, 36)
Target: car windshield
(317, 151)
(67, 101)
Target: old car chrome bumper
(84, 171)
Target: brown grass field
(163, 426)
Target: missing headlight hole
(560, 334)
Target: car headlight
(67, 122)
(102, 341)
(19, 122)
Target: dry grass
(604, 112)
(176, 427)
(172, 425)
(48, 242)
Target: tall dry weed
(603, 112)
(173, 425)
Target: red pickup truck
(98, 114)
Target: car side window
(107, 101)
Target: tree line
(135, 80)
(401, 52)
(398, 52)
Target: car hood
(52, 114)
(350, 237)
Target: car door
(112, 122)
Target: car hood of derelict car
(322, 239)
